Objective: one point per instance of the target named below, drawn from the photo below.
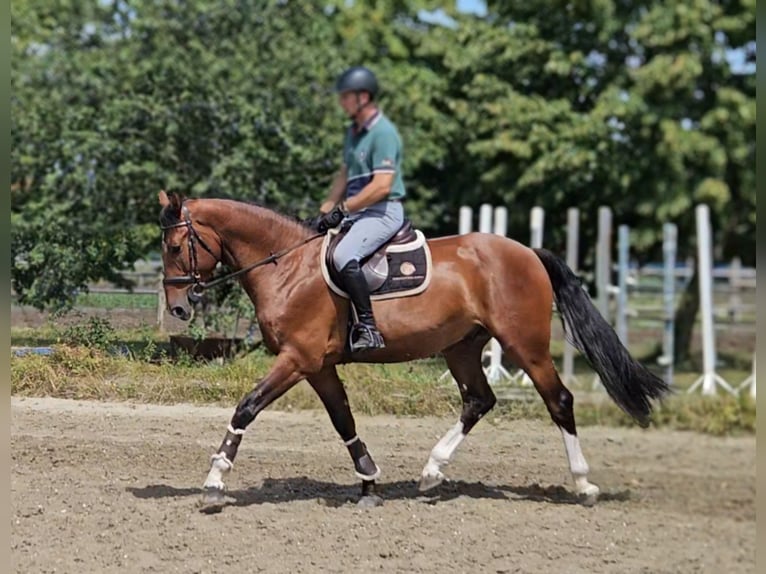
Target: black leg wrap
(364, 466)
(244, 413)
(230, 445)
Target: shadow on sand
(281, 490)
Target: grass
(118, 300)
(85, 366)
(113, 301)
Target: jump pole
(709, 377)
(623, 263)
(669, 250)
(573, 239)
(465, 224)
(603, 268)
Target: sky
(476, 6)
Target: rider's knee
(342, 261)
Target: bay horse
(482, 286)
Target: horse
(482, 286)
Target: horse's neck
(250, 233)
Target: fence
(726, 292)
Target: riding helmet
(357, 79)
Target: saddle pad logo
(407, 268)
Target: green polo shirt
(375, 148)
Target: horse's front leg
(329, 387)
(283, 375)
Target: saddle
(399, 268)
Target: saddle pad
(409, 269)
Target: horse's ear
(172, 201)
(176, 201)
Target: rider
(367, 191)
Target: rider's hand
(312, 222)
(330, 220)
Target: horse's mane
(292, 222)
(171, 213)
(285, 217)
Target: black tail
(628, 382)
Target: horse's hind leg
(559, 401)
(464, 362)
(330, 389)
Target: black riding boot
(364, 334)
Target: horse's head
(187, 257)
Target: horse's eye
(174, 249)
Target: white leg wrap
(577, 465)
(219, 466)
(440, 456)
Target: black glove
(329, 220)
(312, 222)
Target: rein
(194, 279)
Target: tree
(113, 102)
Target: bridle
(193, 277)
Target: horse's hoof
(370, 501)
(589, 496)
(429, 481)
(212, 501)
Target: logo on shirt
(387, 162)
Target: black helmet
(357, 79)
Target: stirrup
(366, 338)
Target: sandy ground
(114, 488)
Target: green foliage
(712, 415)
(117, 300)
(96, 334)
(112, 103)
(148, 350)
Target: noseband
(194, 278)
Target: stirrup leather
(366, 337)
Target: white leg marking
(578, 466)
(219, 466)
(440, 456)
